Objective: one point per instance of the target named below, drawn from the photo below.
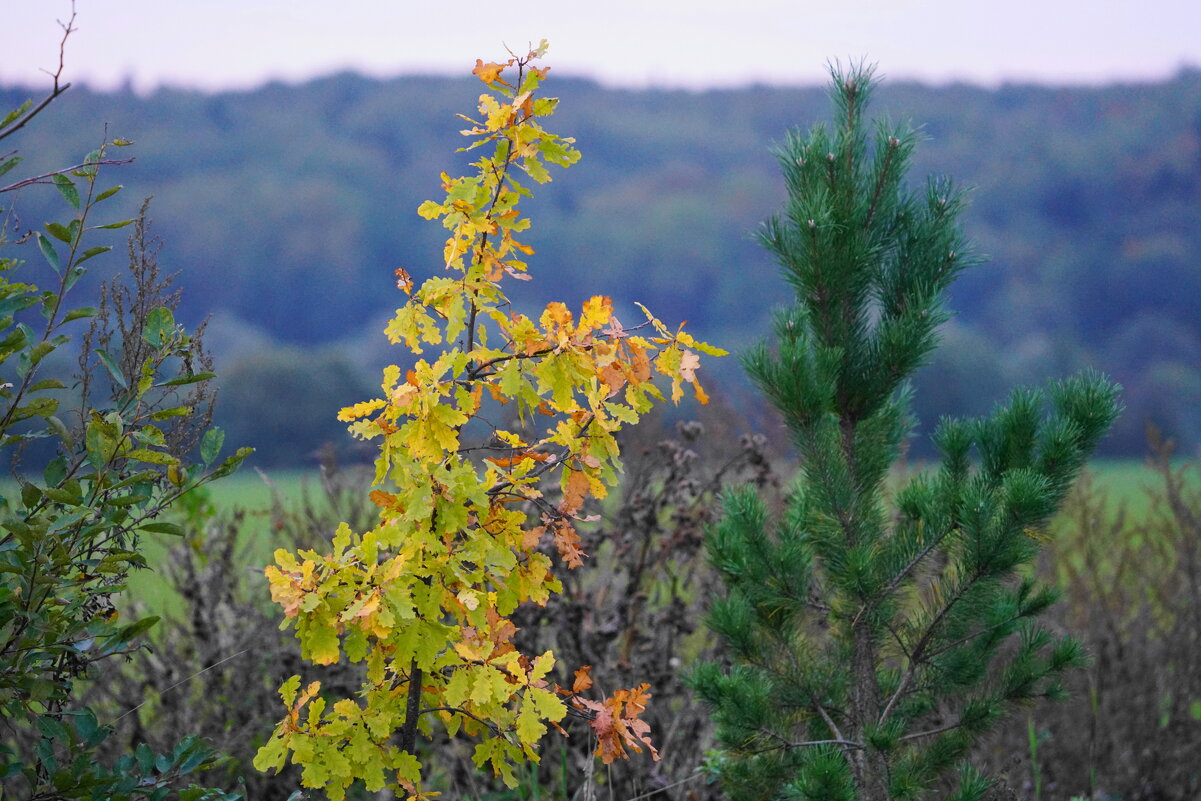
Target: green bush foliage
(96, 461)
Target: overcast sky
(215, 44)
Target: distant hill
(288, 207)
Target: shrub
(95, 466)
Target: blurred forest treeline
(288, 207)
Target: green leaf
(30, 495)
(121, 224)
(91, 252)
(47, 383)
(40, 351)
(194, 760)
(56, 471)
(159, 328)
(60, 428)
(289, 689)
(174, 411)
(80, 313)
(51, 728)
(163, 527)
(15, 114)
(232, 463)
(38, 407)
(273, 755)
(136, 629)
(145, 758)
(151, 436)
(113, 369)
(126, 500)
(151, 457)
(64, 496)
(9, 164)
(49, 253)
(101, 441)
(59, 231)
(88, 729)
(182, 380)
(67, 188)
(211, 444)
(107, 193)
(73, 275)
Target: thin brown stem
(408, 733)
(58, 88)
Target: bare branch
(459, 711)
(932, 732)
(47, 177)
(58, 88)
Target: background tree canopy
(288, 207)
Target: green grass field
(1130, 480)
(252, 492)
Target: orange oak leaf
(567, 541)
(509, 461)
(612, 376)
(531, 538)
(404, 280)
(490, 73)
(583, 679)
(387, 502)
(640, 362)
(575, 490)
(616, 723)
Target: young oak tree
(871, 645)
(424, 598)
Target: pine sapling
(870, 643)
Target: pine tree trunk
(867, 765)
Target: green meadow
(254, 494)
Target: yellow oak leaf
(557, 321)
(358, 410)
(530, 727)
(403, 396)
(597, 312)
(285, 590)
